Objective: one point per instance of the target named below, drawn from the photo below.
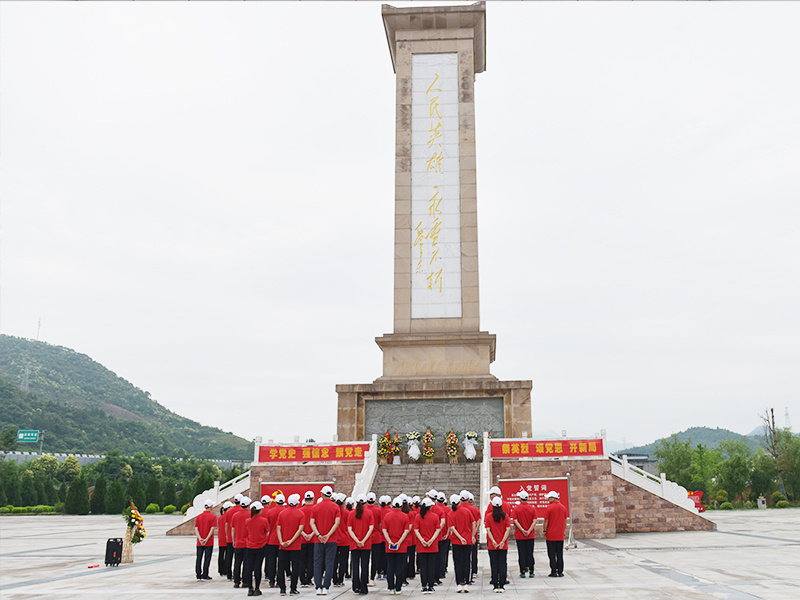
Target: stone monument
(436, 362)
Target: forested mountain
(699, 435)
(86, 408)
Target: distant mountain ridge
(698, 435)
(87, 408)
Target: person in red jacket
(498, 528)
(428, 528)
(257, 532)
(239, 539)
(461, 536)
(291, 522)
(360, 525)
(222, 538)
(524, 517)
(325, 522)
(396, 529)
(205, 525)
(555, 519)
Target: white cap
(237, 498)
(294, 500)
(415, 499)
(326, 491)
(362, 498)
(257, 505)
(280, 498)
(348, 500)
(227, 504)
(472, 497)
(309, 495)
(385, 499)
(497, 501)
(455, 498)
(464, 495)
(441, 497)
(245, 501)
(427, 502)
(372, 497)
(432, 493)
(266, 499)
(403, 497)
(397, 502)
(522, 495)
(552, 494)
(495, 490)
(208, 503)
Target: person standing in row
(307, 544)
(498, 528)
(360, 526)
(444, 539)
(222, 538)
(257, 533)
(555, 519)
(342, 541)
(396, 528)
(272, 514)
(291, 522)
(524, 518)
(428, 527)
(411, 508)
(467, 501)
(239, 539)
(378, 553)
(461, 536)
(324, 523)
(232, 511)
(205, 525)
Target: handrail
(668, 490)
(365, 478)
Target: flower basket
(428, 460)
(383, 460)
(453, 460)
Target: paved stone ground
(754, 554)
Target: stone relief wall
(462, 415)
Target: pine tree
(28, 491)
(12, 489)
(50, 493)
(186, 496)
(136, 492)
(169, 495)
(99, 496)
(116, 497)
(204, 481)
(41, 496)
(77, 502)
(153, 491)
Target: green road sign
(28, 436)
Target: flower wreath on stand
(470, 444)
(397, 446)
(413, 437)
(427, 446)
(451, 446)
(135, 522)
(385, 446)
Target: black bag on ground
(113, 551)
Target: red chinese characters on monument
(546, 448)
(537, 489)
(336, 453)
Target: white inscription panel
(435, 188)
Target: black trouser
(203, 556)
(444, 550)
(238, 562)
(525, 555)
(324, 561)
(497, 560)
(270, 560)
(221, 552)
(555, 552)
(411, 564)
(306, 563)
(253, 562)
(340, 568)
(378, 566)
(360, 570)
(474, 560)
(288, 560)
(428, 562)
(461, 556)
(396, 570)
(229, 560)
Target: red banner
(331, 453)
(287, 489)
(546, 448)
(536, 489)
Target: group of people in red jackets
(322, 541)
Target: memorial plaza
(753, 554)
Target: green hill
(85, 408)
(698, 435)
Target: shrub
(782, 504)
(4, 510)
(152, 508)
(18, 510)
(722, 496)
(726, 506)
(59, 507)
(748, 504)
(184, 508)
(776, 497)
(169, 509)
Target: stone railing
(669, 490)
(219, 493)
(365, 478)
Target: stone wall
(591, 490)
(344, 475)
(637, 510)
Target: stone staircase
(416, 479)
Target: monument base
(479, 404)
(439, 355)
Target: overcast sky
(199, 196)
